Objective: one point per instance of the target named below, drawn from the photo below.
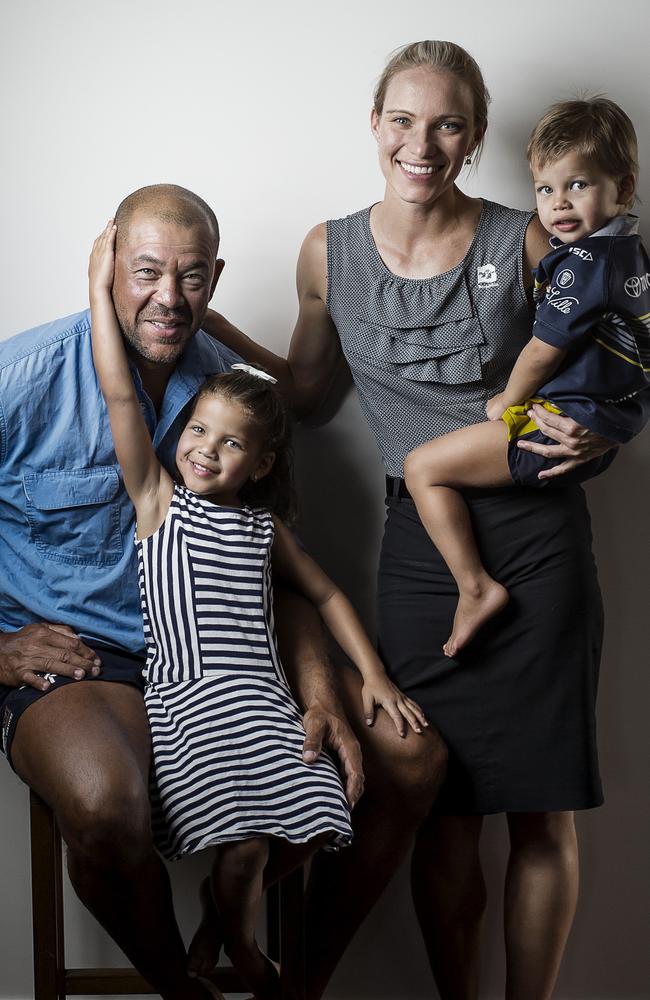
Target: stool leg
(47, 903)
(273, 922)
(292, 936)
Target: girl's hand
(102, 260)
(380, 691)
(494, 407)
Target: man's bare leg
(402, 779)
(450, 897)
(85, 750)
(540, 900)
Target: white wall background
(262, 108)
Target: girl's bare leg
(241, 872)
(237, 885)
(540, 900)
(208, 940)
(473, 456)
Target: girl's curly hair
(268, 412)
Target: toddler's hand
(102, 260)
(380, 691)
(494, 407)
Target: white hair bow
(257, 372)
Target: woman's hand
(494, 407)
(101, 265)
(379, 691)
(576, 444)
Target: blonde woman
(426, 296)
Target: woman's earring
(468, 160)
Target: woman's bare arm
(315, 348)
(536, 246)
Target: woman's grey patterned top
(427, 354)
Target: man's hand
(576, 443)
(323, 728)
(45, 648)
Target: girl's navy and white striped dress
(227, 734)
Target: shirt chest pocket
(74, 515)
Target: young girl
(589, 357)
(227, 735)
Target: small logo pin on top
(486, 275)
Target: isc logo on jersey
(582, 254)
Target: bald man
(71, 649)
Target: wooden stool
(53, 981)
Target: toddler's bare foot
(207, 942)
(473, 611)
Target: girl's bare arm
(148, 484)
(300, 571)
(307, 373)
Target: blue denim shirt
(66, 522)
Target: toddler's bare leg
(474, 456)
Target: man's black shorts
(117, 665)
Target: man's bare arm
(307, 665)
